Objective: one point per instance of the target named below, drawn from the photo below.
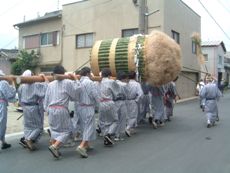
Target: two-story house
(214, 52)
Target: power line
(214, 20)
(221, 3)
(195, 70)
(9, 43)
(8, 9)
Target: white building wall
(212, 64)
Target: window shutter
(55, 38)
(31, 41)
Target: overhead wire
(10, 8)
(214, 20)
(9, 43)
(221, 3)
(195, 70)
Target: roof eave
(36, 21)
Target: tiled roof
(47, 16)
(9, 53)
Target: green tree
(25, 61)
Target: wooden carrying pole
(8, 78)
(32, 79)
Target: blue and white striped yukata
(41, 109)
(7, 93)
(87, 100)
(211, 94)
(56, 102)
(157, 102)
(77, 125)
(144, 103)
(107, 110)
(170, 96)
(133, 96)
(30, 96)
(122, 108)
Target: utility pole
(142, 23)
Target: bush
(25, 60)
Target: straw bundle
(159, 56)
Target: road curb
(187, 99)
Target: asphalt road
(184, 145)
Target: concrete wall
(180, 18)
(156, 20)
(186, 84)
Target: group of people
(209, 95)
(122, 104)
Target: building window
(84, 40)
(194, 47)
(129, 32)
(49, 39)
(206, 57)
(176, 36)
(31, 41)
(220, 60)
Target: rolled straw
(158, 55)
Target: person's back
(107, 109)
(144, 103)
(7, 93)
(211, 94)
(87, 102)
(157, 104)
(30, 96)
(134, 94)
(31, 93)
(120, 103)
(106, 88)
(58, 95)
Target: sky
(15, 11)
